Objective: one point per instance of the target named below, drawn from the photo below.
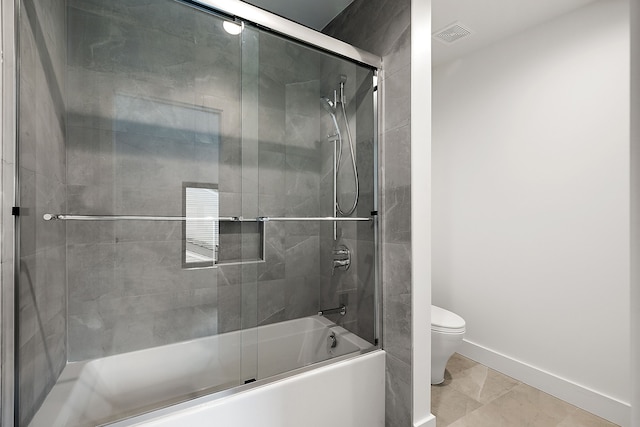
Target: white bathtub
(115, 387)
(349, 393)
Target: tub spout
(342, 310)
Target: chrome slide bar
(66, 217)
(313, 218)
(278, 24)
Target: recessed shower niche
(209, 239)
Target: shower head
(328, 105)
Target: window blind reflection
(202, 236)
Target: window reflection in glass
(202, 226)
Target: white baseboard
(590, 400)
(430, 421)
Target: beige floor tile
(507, 411)
(459, 363)
(473, 395)
(448, 404)
(582, 418)
(545, 403)
(481, 383)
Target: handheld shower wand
(343, 80)
(339, 101)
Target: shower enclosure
(197, 205)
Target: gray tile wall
(295, 164)
(140, 75)
(356, 286)
(289, 178)
(146, 82)
(126, 287)
(382, 27)
(42, 288)
(366, 254)
(133, 82)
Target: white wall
(531, 200)
(420, 209)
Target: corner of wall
(635, 211)
(421, 208)
(576, 394)
(387, 33)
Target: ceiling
(488, 20)
(311, 13)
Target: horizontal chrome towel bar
(66, 217)
(316, 218)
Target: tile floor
(473, 395)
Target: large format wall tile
(152, 106)
(42, 285)
(288, 170)
(135, 140)
(143, 104)
(374, 26)
(382, 27)
(339, 286)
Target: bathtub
(202, 371)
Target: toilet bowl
(447, 331)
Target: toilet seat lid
(446, 321)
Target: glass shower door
(305, 162)
(136, 265)
(181, 178)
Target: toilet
(447, 331)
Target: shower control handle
(341, 258)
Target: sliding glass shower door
(297, 145)
(131, 178)
(181, 179)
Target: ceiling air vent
(451, 33)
